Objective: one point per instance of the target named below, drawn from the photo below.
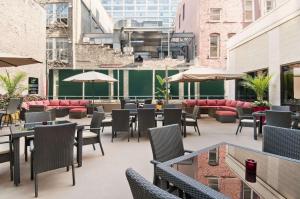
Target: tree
(162, 91)
(13, 85)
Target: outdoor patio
(104, 176)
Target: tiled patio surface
(104, 176)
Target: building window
(179, 19)
(57, 13)
(214, 49)
(270, 4)
(290, 79)
(215, 14)
(213, 182)
(183, 12)
(213, 157)
(230, 35)
(248, 10)
(57, 49)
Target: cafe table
(259, 115)
(27, 129)
(229, 171)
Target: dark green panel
(121, 85)
(140, 83)
(212, 89)
(71, 89)
(50, 84)
(186, 90)
(174, 87)
(97, 89)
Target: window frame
(246, 9)
(54, 13)
(212, 14)
(57, 54)
(217, 46)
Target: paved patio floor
(104, 176)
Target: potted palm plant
(13, 84)
(259, 84)
(162, 92)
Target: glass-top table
(220, 172)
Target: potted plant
(259, 84)
(13, 85)
(162, 92)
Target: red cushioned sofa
(48, 104)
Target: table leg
(79, 147)
(260, 125)
(254, 127)
(16, 148)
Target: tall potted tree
(13, 84)
(161, 91)
(259, 84)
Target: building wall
(268, 43)
(23, 32)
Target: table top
(222, 168)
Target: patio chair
(166, 144)
(107, 121)
(279, 118)
(132, 111)
(146, 120)
(245, 119)
(7, 155)
(151, 106)
(172, 116)
(143, 189)
(280, 108)
(169, 106)
(91, 132)
(148, 101)
(191, 120)
(281, 141)
(34, 117)
(120, 122)
(11, 108)
(53, 147)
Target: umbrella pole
(93, 92)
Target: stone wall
(23, 32)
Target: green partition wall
(140, 83)
(69, 89)
(120, 82)
(186, 90)
(212, 89)
(97, 89)
(50, 84)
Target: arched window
(214, 45)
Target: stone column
(181, 90)
(197, 90)
(126, 83)
(153, 85)
(55, 84)
(111, 85)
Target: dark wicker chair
(132, 107)
(143, 189)
(146, 120)
(281, 141)
(191, 120)
(152, 106)
(172, 116)
(169, 106)
(280, 108)
(120, 122)
(11, 108)
(53, 149)
(279, 118)
(91, 133)
(30, 118)
(166, 143)
(245, 119)
(107, 121)
(148, 101)
(7, 155)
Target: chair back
(279, 118)
(172, 116)
(146, 119)
(13, 105)
(281, 108)
(148, 101)
(169, 106)
(152, 106)
(32, 117)
(166, 142)
(53, 146)
(131, 107)
(141, 188)
(123, 102)
(196, 112)
(20, 103)
(281, 141)
(120, 120)
(244, 112)
(100, 109)
(96, 121)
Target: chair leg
(241, 128)
(237, 130)
(94, 147)
(198, 129)
(112, 136)
(129, 134)
(25, 150)
(195, 128)
(36, 185)
(102, 129)
(68, 169)
(31, 167)
(101, 145)
(73, 175)
(139, 134)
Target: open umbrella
(197, 74)
(9, 60)
(92, 77)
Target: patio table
(219, 171)
(27, 129)
(261, 114)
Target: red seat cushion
(54, 102)
(64, 102)
(239, 104)
(191, 103)
(201, 103)
(74, 103)
(39, 103)
(228, 102)
(80, 110)
(212, 102)
(72, 107)
(247, 105)
(46, 102)
(225, 113)
(221, 102)
(83, 102)
(233, 103)
(228, 108)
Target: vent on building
(86, 40)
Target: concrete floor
(104, 176)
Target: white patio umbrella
(10, 60)
(92, 77)
(197, 74)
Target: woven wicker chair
(132, 107)
(146, 120)
(191, 120)
(279, 118)
(166, 143)
(148, 101)
(120, 122)
(172, 116)
(143, 189)
(30, 118)
(281, 141)
(152, 106)
(12, 108)
(280, 108)
(91, 133)
(107, 121)
(245, 119)
(7, 155)
(53, 149)
(170, 106)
